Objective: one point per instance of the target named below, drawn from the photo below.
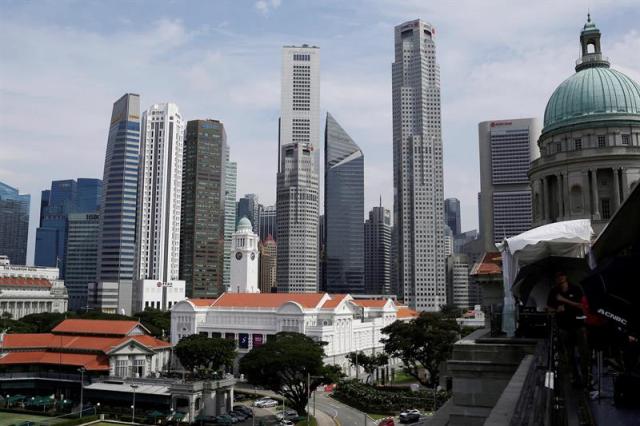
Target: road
(342, 414)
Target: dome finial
(588, 15)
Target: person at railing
(565, 300)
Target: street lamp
(81, 370)
(133, 406)
(95, 408)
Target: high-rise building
(298, 164)
(249, 207)
(159, 208)
(117, 235)
(343, 210)
(268, 260)
(417, 167)
(322, 253)
(64, 197)
(81, 257)
(458, 280)
(448, 241)
(452, 215)
(14, 224)
(267, 223)
(463, 238)
(377, 251)
(231, 178)
(202, 221)
(245, 259)
(506, 149)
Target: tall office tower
(117, 235)
(267, 223)
(14, 224)
(506, 149)
(64, 197)
(343, 210)
(268, 261)
(448, 241)
(417, 167)
(458, 281)
(377, 251)
(452, 214)
(202, 221)
(298, 164)
(159, 205)
(81, 257)
(322, 254)
(249, 207)
(230, 181)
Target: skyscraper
(14, 224)
(506, 150)
(458, 281)
(452, 215)
(268, 261)
(267, 223)
(231, 178)
(298, 164)
(249, 207)
(417, 167)
(65, 197)
(202, 221)
(117, 235)
(377, 251)
(81, 257)
(344, 210)
(159, 204)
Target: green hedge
(386, 400)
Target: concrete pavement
(342, 414)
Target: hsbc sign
(162, 284)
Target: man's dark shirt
(571, 317)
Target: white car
(265, 403)
(286, 423)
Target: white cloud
(265, 6)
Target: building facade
(203, 199)
(26, 290)
(417, 167)
(590, 144)
(377, 251)
(251, 319)
(231, 179)
(452, 215)
(343, 210)
(249, 207)
(160, 203)
(268, 265)
(267, 223)
(458, 268)
(245, 259)
(14, 223)
(506, 149)
(81, 257)
(297, 194)
(117, 235)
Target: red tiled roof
(267, 300)
(404, 312)
(202, 302)
(88, 343)
(334, 301)
(24, 282)
(92, 362)
(488, 265)
(370, 303)
(106, 327)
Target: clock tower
(244, 259)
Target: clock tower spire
(244, 259)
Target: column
(560, 197)
(567, 198)
(625, 184)
(586, 193)
(545, 202)
(595, 208)
(616, 189)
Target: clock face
(253, 256)
(238, 255)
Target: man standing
(565, 300)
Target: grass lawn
(312, 422)
(376, 416)
(402, 377)
(14, 418)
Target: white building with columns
(245, 258)
(250, 319)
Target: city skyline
(479, 78)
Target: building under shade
(268, 263)
(81, 257)
(14, 224)
(230, 182)
(343, 210)
(452, 215)
(377, 251)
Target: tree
(158, 322)
(424, 342)
(368, 363)
(450, 311)
(205, 356)
(285, 363)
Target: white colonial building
(244, 259)
(250, 319)
(28, 290)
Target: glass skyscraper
(343, 211)
(203, 200)
(231, 178)
(81, 257)
(377, 251)
(14, 224)
(452, 215)
(117, 235)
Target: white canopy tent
(564, 239)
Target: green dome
(244, 224)
(593, 94)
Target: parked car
(387, 422)
(265, 403)
(409, 416)
(239, 414)
(243, 409)
(286, 423)
(287, 415)
(223, 420)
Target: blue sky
(63, 64)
